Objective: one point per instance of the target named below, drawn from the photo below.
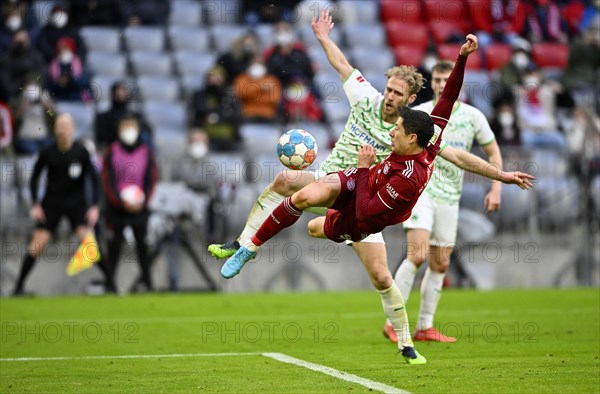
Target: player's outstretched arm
(321, 27)
(469, 162)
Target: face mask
(506, 119)
(32, 93)
(284, 38)
(129, 135)
(429, 62)
(198, 150)
(532, 81)
(249, 48)
(296, 92)
(13, 22)
(520, 60)
(66, 57)
(257, 71)
(60, 19)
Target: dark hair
(417, 122)
(129, 116)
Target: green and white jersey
(364, 126)
(466, 124)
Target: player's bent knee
(280, 184)
(316, 229)
(381, 279)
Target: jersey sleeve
(357, 88)
(395, 192)
(483, 134)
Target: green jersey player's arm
(469, 162)
(338, 61)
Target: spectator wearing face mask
(129, 175)
(236, 61)
(288, 58)
(16, 15)
(21, 61)
(67, 79)
(504, 124)
(511, 74)
(216, 109)
(300, 104)
(33, 110)
(58, 27)
(259, 92)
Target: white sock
(405, 277)
(431, 291)
(264, 205)
(395, 310)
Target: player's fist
(470, 46)
(366, 156)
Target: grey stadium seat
(107, 64)
(83, 114)
(472, 195)
(337, 110)
(330, 87)
(190, 83)
(144, 38)
(372, 36)
(516, 206)
(368, 59)
(167, 115)
(221, 12)
(307, 36)
(478, 91)
(196, 63)
(224, 35)
(352, 11)
(158, 88)
(265, 33)
(105, 39)
(319, 60)
(377, 79)
(260, 138)
(185, 13)
(231, 167)
(150, 63)
(188, 38)
(170, 143)
(558, 200)
(548, 163)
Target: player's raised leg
(374, 258)
(323, 192)
(284, 185)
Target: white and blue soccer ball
(297, 149)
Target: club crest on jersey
(386, 168)
(351, 184)
(393, 193)
(75, 170)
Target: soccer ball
(297, 149)
(133, 195)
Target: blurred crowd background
(213, 84)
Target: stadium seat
(319, 60)
(445, 31)
(558, 201)
(365, 35)
(368, 59)
(516, 207)
(450, 52)
(409, 55)
(104, 39)
(404, 11)
(444, 11)
(414, 34)
(265, 33)
(337, 128)
(548, 163)
(595, 192)
(480, 13)
(260, 170)
(352, 11)
(188, 38)
(170, 143)
(194, 62)
(43, 10)
(224, 35)
(150, 63)
(548, 55)
(158, 88)
(190, 83)
(260, 138)
(185, 13)
(107, 64)
(144, 38)
(497, 55)
(220, 12)
(337, 111)
(306, 35)
(479, 91)
(83, 114)
(330, 87)
(377, 79)
(318, 130)
(472, 196)
(166, 114)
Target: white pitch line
(129, 356)
(370, 384)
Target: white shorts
(440, 220)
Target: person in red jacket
(129, 176)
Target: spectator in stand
(33, 111)
(215, 109)
(266, 11)
(259, 93)
(300, 104)
(511, 74)
(146, 12)
(288, 58)
(429, 60)
(6, 126)
(67, 79)
(106, 125)
(504, 124)
(540, 21)
(58, 26)
(21, 61)
(129, 162)
(236, 61)
(94, 12)
(16, 15)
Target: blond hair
(409, 74)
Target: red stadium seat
(407, 34)
(400, 11)
(443, 31)
(549, 54)
(444, 11)
(409, 54)
(497, 55)
(450, 52)
(480, 14)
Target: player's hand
(521, 179)
(323, 25)
(470, 46)
(37, 213)
(92, 215)
(366, 156)
(492, 200)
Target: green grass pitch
(509, 341)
